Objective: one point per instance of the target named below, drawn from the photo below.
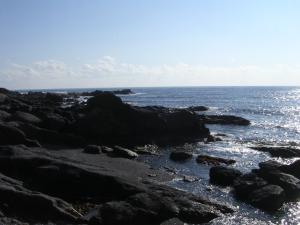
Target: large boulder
(224, 176)
(269, 197)
(293, 168)
(107, 120)
(289, 183)
(26, 117)
(53, 121)
(4, 115)
(270, 165)
(246, 184)
(10, 135)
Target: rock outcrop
(38, 185)
(224, 119)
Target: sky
(138, 43)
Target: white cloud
(110, 72)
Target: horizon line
(131, 87)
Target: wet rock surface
(279, 151)
(224, 119)
(267, 188)
(222, 175)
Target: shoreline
(96, 142)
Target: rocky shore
(75, 165)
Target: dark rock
(29, 205)
(293, 168)
(269, 198)
(54, 98)
(246, 184)
(4, 115)
(5, 91)
(53, 121)
(122, 199)
(284, 152)
(190, 179)
(180, 155)
(124, 152)
(109, 121)
(289, 183)
(123, 92)
(92, 149)
(173, 221)
(200, 213)
(223, 175)
(224, 119)
(51, 137)
(216, 161)
(211, 138)
(26, 117)
(3, 98)
(197, 108)
(105, 100)
(12, 135)
(270, 165)
(106, 149)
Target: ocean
(274, 113)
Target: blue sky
(110, 43)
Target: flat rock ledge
(72, 187)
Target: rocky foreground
(72, 165)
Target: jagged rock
(284, 152)
(269, 198)
(223, 175)
(289, 183)
(224, 119)
(124, 152)
(246, 184)
(92, 149)
(180, 155)
(216, 161)
(26, 117)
